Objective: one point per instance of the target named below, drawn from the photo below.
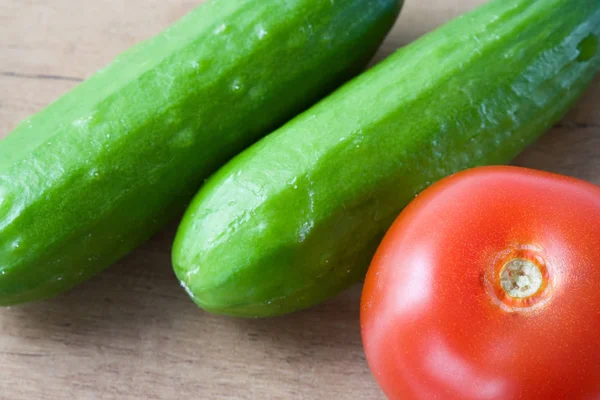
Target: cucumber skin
(95, 174)
(296, 218)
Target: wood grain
(131, 332)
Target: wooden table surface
(131, 332)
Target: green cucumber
(99, 171)
(296, 218)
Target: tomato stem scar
(521, 278)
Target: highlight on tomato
(487, 286)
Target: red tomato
(487, 286)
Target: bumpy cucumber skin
(98, 172)
(296, 218)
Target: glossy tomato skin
(432, 322)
